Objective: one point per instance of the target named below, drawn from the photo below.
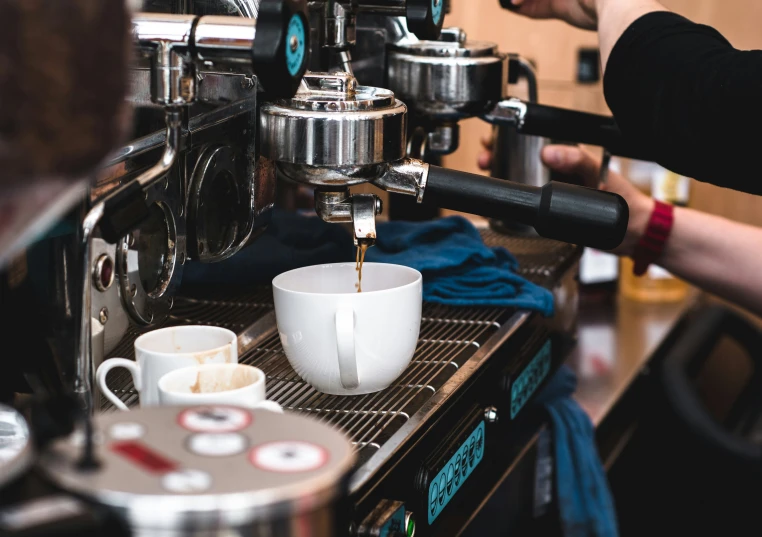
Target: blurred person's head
(63, 78)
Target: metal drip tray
(453, 342)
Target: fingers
(487, 142)
(573, 161)
(485, 160)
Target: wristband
(651, 244)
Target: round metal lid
(448, 80)
(210, 466)
(15, 445)
(332, 122)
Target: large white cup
(216, 384)
(164, 350)
(343, 342)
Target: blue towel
(584, 499)
(458, 269)
(292, 240)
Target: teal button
(436, 10)
(296, 47)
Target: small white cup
(216, 384)
(164, 350)
(343, 342)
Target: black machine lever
(565, 125)
(557, 211)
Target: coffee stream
(362, 247)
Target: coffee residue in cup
(196, 388)
(362, 247)
(216, 381)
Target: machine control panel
(447, 469)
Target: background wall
(554, 45)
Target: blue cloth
(458, 269)
(584, 499)
(292, 240)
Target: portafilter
(334, 134)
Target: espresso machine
(229, 100)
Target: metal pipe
(83, 355)
(224, 39)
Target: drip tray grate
(449, 337)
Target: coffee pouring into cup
(343, 342)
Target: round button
(187, 481)
(442, 489)
(214, 419)
(471, 451)
(217, 445)
(127, 431)
(479, 443)
(457, 470)
(289, 457)
(433, 498)
(450, 478)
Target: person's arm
(682, 93)
(610, 17)
(715, 254)
(679, 91)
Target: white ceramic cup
(216, 384)
(164, 350)
(343, 342)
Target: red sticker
(144, 457)
(289, 457)
(214, 419)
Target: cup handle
(345, 343)
(108, 365)
(272, 406)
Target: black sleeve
(682, 93)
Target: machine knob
(281, 45)
(425, 18)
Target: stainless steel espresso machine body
(224, 106)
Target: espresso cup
(216, 384)
(164, 350)
(343, 342)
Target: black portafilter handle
(581, 128)
(559, 211)
(281, 46)
(425, 18)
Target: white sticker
(214, 419)
(217, 445)
(187, 481)
(127, 431)
(289, 457)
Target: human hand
(579, 13)
(575, 161)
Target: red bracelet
(652, 243)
